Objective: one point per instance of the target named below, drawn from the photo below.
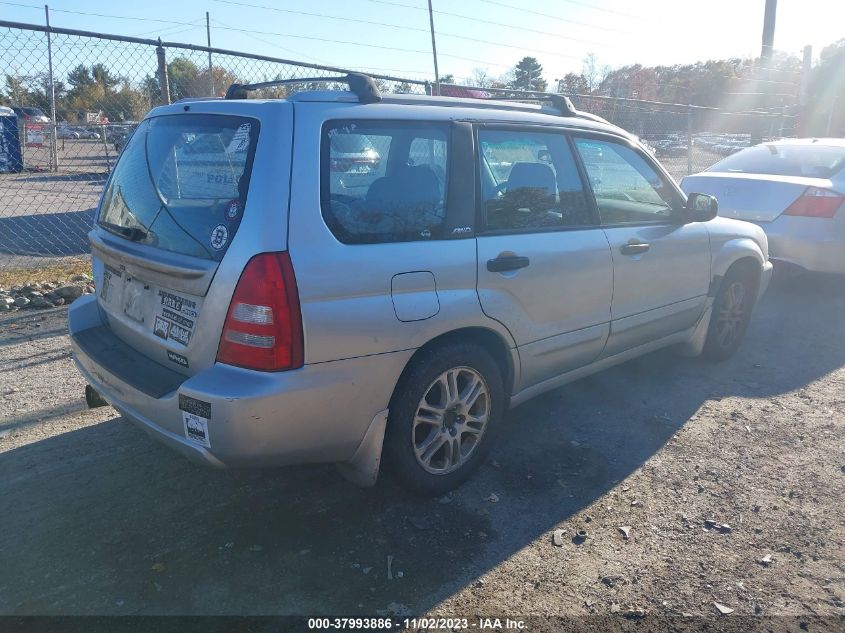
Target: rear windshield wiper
(132, 233)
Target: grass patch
(61, 271)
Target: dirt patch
(728, 477)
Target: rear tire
(443, 417)
(731, 315)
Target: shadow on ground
(50, 234)
(102, 520)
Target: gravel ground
(98, 519)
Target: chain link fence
(79, 95)
(70, 130)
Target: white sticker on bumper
(196, 429)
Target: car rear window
(811, 161)
(384, 181)
(181, 183)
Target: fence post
(210, 67)
(163, 80)
(54, 151)
(689, 139)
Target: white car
(794, 189)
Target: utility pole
(801, 126)
(210, 68)
(54, 150)
(434, 49)
(768, 30)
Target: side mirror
(701, 207)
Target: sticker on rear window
(240, 140)
(233, 210)
(219, 236)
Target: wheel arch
(738, 254)
(490, 340)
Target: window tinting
(529, 181)
(627, 188)
(181, 183)
(811, 161)
(384, 181)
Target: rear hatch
(753, 197)
(176, 200)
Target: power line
(97, 15)
(580, 4)
(477, 19)
(417, 29)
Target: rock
(21, 302)
(580, 536)
(89, 289)
(79, 278)
(766, 560)
(25, 290)
(723, 609)
(611, 581)
(34, 293)
(615, 608)
(69, 293)
(634, 613)
(40, 302)
(58, 301)
(5, 306)
(47, 286)
(7, 300)
(557, 537)
(626, 531)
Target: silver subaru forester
(265, 296)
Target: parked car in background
(355, 161)
(794, 189)
(66, 132)
(88, 133)
(120, 136)
(29, 114)
(254, 309)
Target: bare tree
(592, 72)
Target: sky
(392, 36)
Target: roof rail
(560, 102)
(361, 85)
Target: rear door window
(530, 182)
(181, 183)
(384, 181)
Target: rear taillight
(816, 203)
(263, 328)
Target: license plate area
(136, 295)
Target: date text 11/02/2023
(427, 624)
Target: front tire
(443, 417)
(731, 315)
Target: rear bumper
(319, 413)
(815, 244)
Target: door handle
(509, 262)
(635, 248)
